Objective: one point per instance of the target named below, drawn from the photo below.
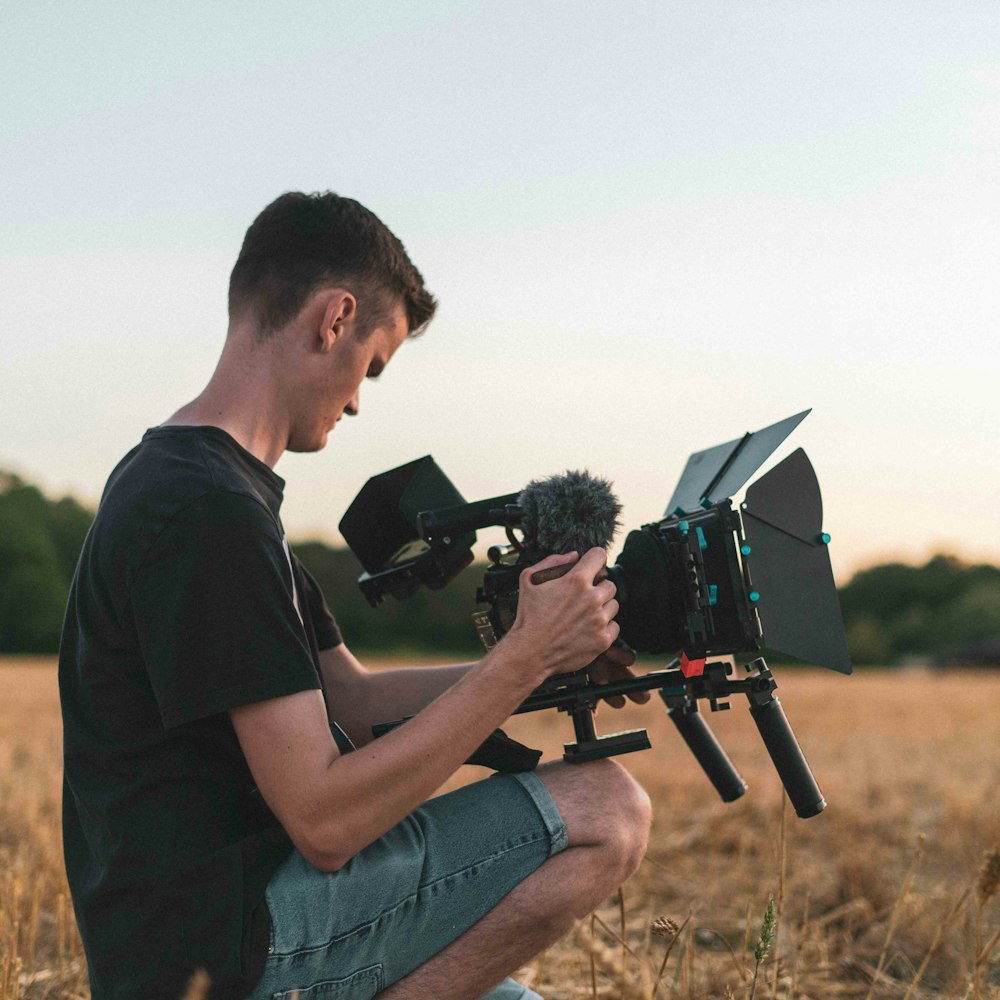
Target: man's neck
(257, 437)
(240, 400)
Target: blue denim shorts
(349, 934)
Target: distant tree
(867, 640)
(972, 615)
(33, 586)
(69, 522)
(40, 542)
(893, 611)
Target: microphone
(571, 512)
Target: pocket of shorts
(362, 985)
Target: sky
(651, 227)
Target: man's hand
(562, 624)
(615, 664)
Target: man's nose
(354, 405)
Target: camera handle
(785, 752)
(590, 746)
(577, 696)
(706, 748)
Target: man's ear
(339, 311)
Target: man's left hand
(615, 664)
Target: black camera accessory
(792, 576)
(720, 472)
(380, 526)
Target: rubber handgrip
(708, 752)
(803, 792)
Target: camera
(710, 579)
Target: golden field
(884, 890)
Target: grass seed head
(767, 929)
(664, 927)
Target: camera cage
(740, 577)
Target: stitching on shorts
(511, 845)
(374, 974)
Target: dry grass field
(884, 895)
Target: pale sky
(651, 226)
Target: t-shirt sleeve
(214, 612)
(325, 625)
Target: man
(225, 807)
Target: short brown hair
(301, 242)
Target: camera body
(682, 583)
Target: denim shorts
(349, 934)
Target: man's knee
(632, 815)
(603, 807)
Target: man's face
(334, 387)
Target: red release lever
(692, 668)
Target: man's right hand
(562, 624)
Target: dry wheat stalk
(666, 928)
(800, 940)
(13, 967)
(615, 936)
(32, 934)
(607, 959)
(986, 888)
(686, 959)
(782, 866)
(593, 961)
(621, 913)
(989, 876)
(943, 929)
(988, 950)
(897, 911)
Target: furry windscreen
(572, 512)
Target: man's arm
(359, 698)
(332, 806)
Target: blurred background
(651, 226)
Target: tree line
(40, 541)
(893, 612)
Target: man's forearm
(360, 698)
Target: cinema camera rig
(708, 580)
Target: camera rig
(710, 579)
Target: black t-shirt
(186, 603)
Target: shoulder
(174, 466)
(219, 518)
(178, 487)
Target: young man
(225, 807)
